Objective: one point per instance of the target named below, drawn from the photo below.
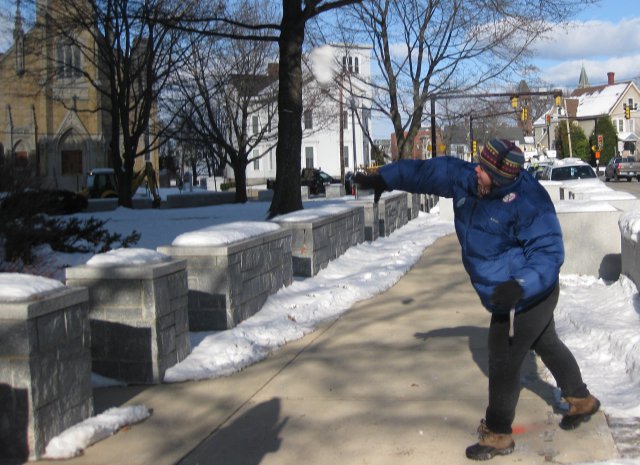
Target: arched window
(20, 55)
(68, 59)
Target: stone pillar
(413, 205)
(139, 318)
(371, 222)
(45, 370)
(320, 235)
(229, 283)
(333, 191)
(392, 212)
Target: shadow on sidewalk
(477, 341)
(243, 441)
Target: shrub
(25, 228)
(225, 186)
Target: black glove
(506, 295)
(371, 181)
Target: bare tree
(128, 56)
(289, 33)
(427, 49)
(227, 92)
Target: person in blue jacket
(512, 250)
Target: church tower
(584, 80)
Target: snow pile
(629, 223)
(224, 234)
(127, 257)
(74, 440)
(582, 206)
(15, 287)
(604, 339)
(297, 309)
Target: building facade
(586, 103)
(55, 123)
(336, 117)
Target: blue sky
(604, 37)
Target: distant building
(55, 124)
(421, 149)
(586, 103)
(333, 113)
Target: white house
(586, 104)
(336, 85)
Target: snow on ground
(599, 321)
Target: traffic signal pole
(556, 92)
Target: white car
(567, 169)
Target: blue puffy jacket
(513, 233)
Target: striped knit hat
(502, 161)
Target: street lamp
(354, 103)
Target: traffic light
(558, 98)
(514, 102)
(548, 119)
(524, 114)
(627, 111)
(474, 147)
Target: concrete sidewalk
(399, 379)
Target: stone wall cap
(316, 216)
(224, 234)
(76, 274)
(127, 257)
(51, 302)
(224, 250)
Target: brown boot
(490, 444)
(580, 410)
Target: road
(633, 187)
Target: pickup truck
(622, 167)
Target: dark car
(51, 202)
(313, 178)
(316, 180)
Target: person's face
(484, 181)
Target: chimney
(611, 78)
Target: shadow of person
(477, 341)
(244, 440)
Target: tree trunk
(240, 174)
(286, 196)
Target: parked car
(622, 167)
(316, 180)
(568, 169)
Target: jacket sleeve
(434, 176)
(541, 240)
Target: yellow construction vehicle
(102, 183)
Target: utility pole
(568, 127)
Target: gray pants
(534, 328)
